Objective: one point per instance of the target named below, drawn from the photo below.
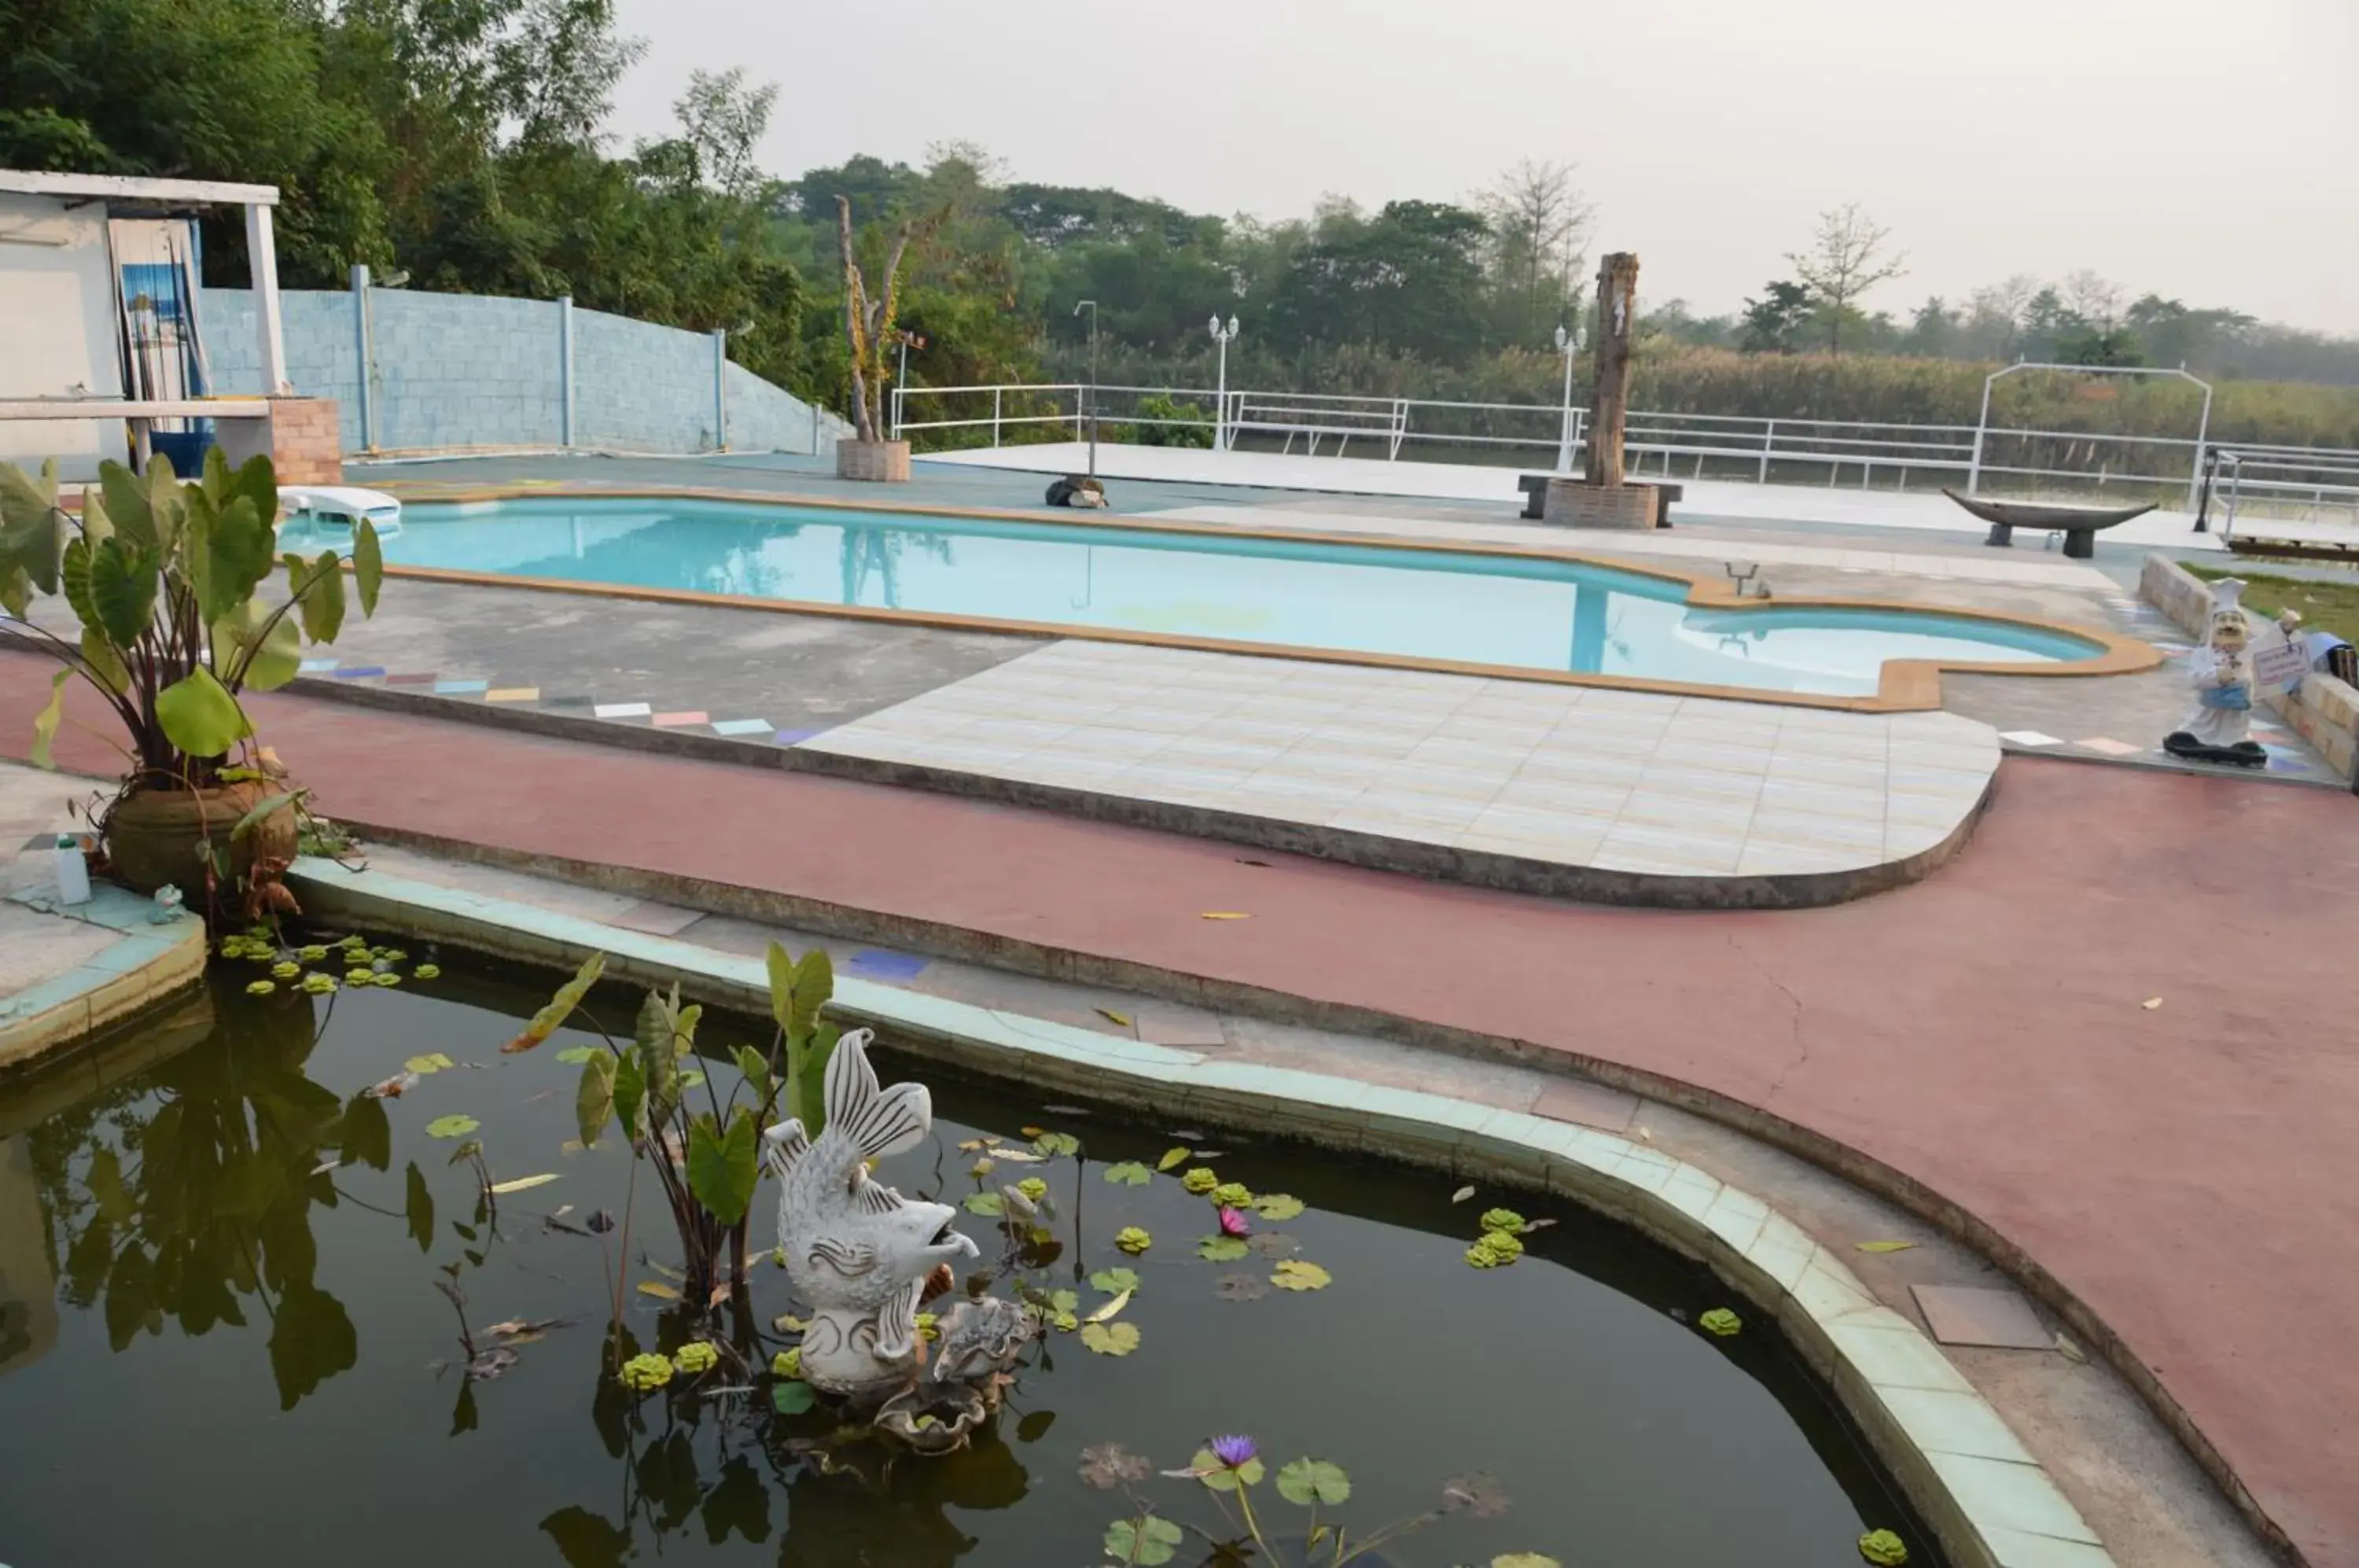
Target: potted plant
(165, 578)
(868, 328)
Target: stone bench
(1535, 489)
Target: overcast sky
(2207, 149)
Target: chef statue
(2221, 671)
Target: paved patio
(2185, 1170)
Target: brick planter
(1577, 503)
(882, 462)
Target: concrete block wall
(2321, 710)
(639, 385)
(455, 370)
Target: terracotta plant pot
(156, 836)
(885, 462)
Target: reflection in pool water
(1526, 612)
(221, 1293)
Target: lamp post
(1567, 345)
(1092, 307)
(1221, 397)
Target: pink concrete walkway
(2190, 1173)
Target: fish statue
(855, 1249)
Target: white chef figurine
(2217, 729)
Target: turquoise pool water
(1537, 615)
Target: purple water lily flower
(1235, 1452)
(1234, 1223)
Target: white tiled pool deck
(1609, 780)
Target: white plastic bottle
(73, 871)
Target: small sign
(2280, 664)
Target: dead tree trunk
(1609, 405)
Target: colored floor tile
(513, 695)
(461, 688)
(315, 666)
(2029, 738)
(882, 963)
(622, 710)
(2105, 746)
(675, 721)
(742, 726)
(362, 672)
(425, 679)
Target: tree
(1538, 247)
(1932, 330)
(1771, 323)
(2092, 297)
(1408, 279)
(721, 121)
(1846, 258)
(1995, 316)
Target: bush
(1196, 431)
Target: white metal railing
(2306, 485)
(1671, 445)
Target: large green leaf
(594, 1100)
(368, 565)
(229, 551)
(73, 578)
(125, 499)
(16, 589)
(200, 716)
(320, 589)
(658, 1059)
(105, 664)
(124, 581)
(46, 722)
(561, 1006)
(630, 1095)
(757, 1070)
(1309, 1481)
(722, 1166)
(167, 505)
(252, 819)
(271, 665)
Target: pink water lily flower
(1234, 1223)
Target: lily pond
(249, 1308)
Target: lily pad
(1309, 1481)
(575, 1055)
(452, 1126)
(1111, 1338)
(1147, 1540)
(792, 1398)
(1277, 1205)
(1116, 1282)
(1241, 1287)
(1221, 1248)
(1524, 1560)
(1129, 1173)
(1275, 1244)
(1883, 1549)
(989, 1204)
(1053, 1143)
(1294, 1274)
(1220, 1477)
(433, 1063)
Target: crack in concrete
(1801, 1047)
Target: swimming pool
(1527, 612)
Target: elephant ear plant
(703, 1143)
(167, 579)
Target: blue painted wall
(452, 371)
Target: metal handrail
(1761, 442)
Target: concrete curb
(144, 964)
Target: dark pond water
(220, 1340)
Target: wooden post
(1609, 404)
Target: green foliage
(1129, 1173)
(1501, 1219)
(1884, 1548)
(1110, 1338)
(798, 989)
(1219, 1477)
(1309, 1481)
(1195, 428)
(1720, 1321)
(1221, 1248)
(1114, 1282)
(1133, 1240)
(163, 578)
(561, 1006)
(1147, 1540)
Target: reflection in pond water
(273, 1307)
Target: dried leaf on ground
(1882, 1246)
(523, 1183)
(2151, 1003)
(1460, 1195)
(1226, 915)
(1123, 1020)
(658, 1290)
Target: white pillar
(262, 256)
(366, 348)
(565, 367)
(720, 387)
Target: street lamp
(1221, 397)
(1567, 345)
(1092, 307)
